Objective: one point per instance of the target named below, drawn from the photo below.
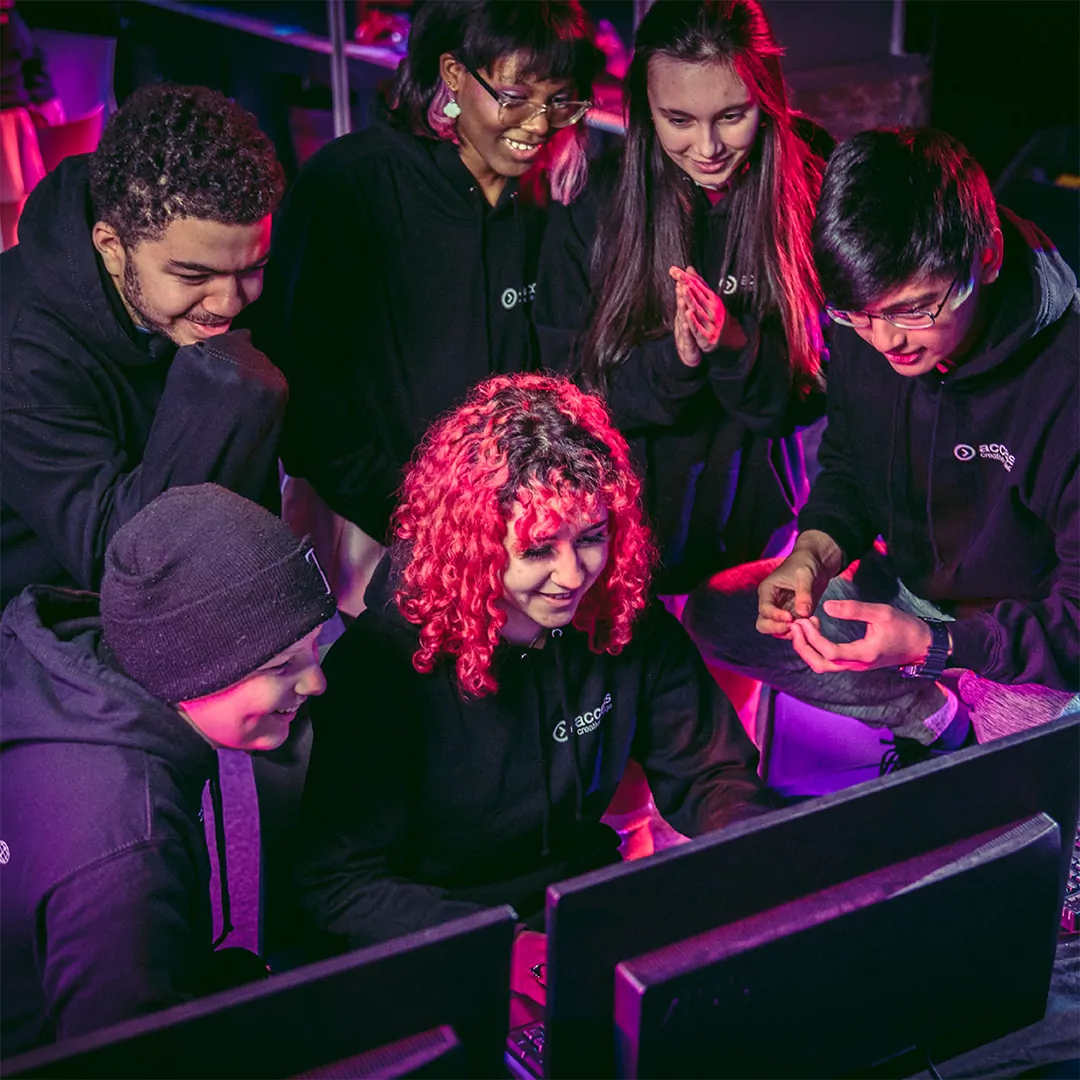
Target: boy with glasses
(952, 437)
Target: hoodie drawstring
(938, 565)
(544, 749)
(894, 440)
(219, 843)
(568, 717)
(544, 752)
(891, 467)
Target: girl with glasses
(681, 285)
(404, 261)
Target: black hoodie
(393, 288)
(104, 898)
(724, 471)
(98, 417)
(972, 476)
(420, 807)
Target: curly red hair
(539, 441)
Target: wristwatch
(936, 657)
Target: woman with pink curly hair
(481, 711)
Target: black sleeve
(117, 940)
(66, 473)
(319, 284)
(355, 816)
(836, 505)
(700, 764)
(563, 298)
(754, 384)
(1034, 641)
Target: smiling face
(192, 281)
(489, 149)
(255, 713)
(547, 576)
(705, 117)
(917, 352)
(956, 328)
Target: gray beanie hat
(202, 587)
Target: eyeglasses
(903, 320)
(515, 111)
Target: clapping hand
(700, 316)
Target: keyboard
(1070, 910)
(525, 1051)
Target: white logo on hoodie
(997, 452)
(990, 451)
(586, 722)
(512, 297)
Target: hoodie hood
(62, 264)
(58, 685)
(1034, 290)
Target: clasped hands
(788, 597)
(701, 320)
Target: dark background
(998, 75)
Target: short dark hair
(182, 152)
(896, 205)
(554, 35)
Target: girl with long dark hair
(404, 261)
(481, 711)
(681, 285)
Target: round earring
(452, 109)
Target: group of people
(522, 400)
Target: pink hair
(539, 441)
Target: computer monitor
(876, 976)
(620, 912)
(431, 1003)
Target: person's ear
(452, 71)
(991, 258)
(109, 246)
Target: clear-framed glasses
(515, 111)
(904, 320)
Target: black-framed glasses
(515, 111)
(903, 320)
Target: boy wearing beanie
(203, 637)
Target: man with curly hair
(119, 377)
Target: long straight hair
(554, 39)
(649, 223)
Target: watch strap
(936, 657)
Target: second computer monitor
(597, 920)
